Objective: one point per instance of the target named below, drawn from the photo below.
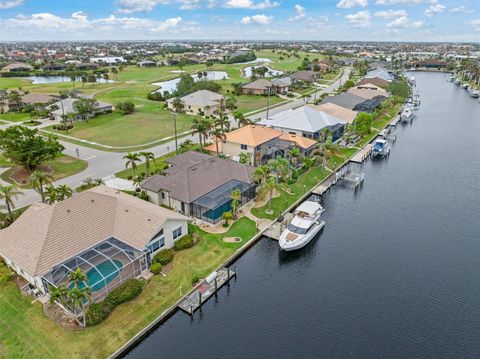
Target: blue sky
(404, 20)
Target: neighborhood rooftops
(46, 235)
(202, 98)
(337, 111)
(66, 106)
(345, 99)
(304, 118)
(34, 98)
(367, 93)
(260, 84)
(193, 175)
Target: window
(243, 147)
(177, 233)
(157, 242)
(183, 207)
(163, 195)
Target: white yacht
(381, 147)
(303, 227)
(474, 93)
(406, 114)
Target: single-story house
(337, 111)
(111, 236)
(345, 99)
(377, 81)
(66, 106)
(52, 66)
(259, 87)
(39, 100)
(108, 60)
(282, 85)
(431, 64)
(200, 185)
(368, 92)
(370, 105)
(87, 66)
(261, 143)
(17, 67)
(305, 121)
(202, 101)
(304, 75)
(147, 63)
(384, 74)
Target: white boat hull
(302, 241)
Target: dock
(395, 121)
(276, 229)
(206, 289)
(354, 178)
(363, 154)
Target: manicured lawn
(248, 103)
(149, 123)
(15, 117)
(64, 166)
(27, 333)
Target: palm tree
(98, 182)
(64, 192)
(38, 179)
(201, 127)
(51, 195)
(137, 180)
(77, 297)
(185, 146)
(241, 119)
(132, 159)
(218, 136)
(269, 186)
(236, 197)
(58, 294)
(227, 216)
(294, 154)
(261, 174)
(77, 276)
(149, 156)
(9, 193)
(223, 122)
(73, 79)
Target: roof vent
(92, 200)
(68, 211)
(126, 210)
(149, 219)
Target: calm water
(39, 80)
(247, 71)
(171, 85)
(395, 274)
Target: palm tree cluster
(57, 194)
(9, 193)
(134, 158)
(74, 296)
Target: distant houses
(17, 67)
(66, 107)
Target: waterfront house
(38, 100)
(111, 236)
(261, 143)
(384, 74)
(305, 121)
(345, 99)
(377, 81)
(368, 92)
(338, 111)
(370, 105)
(17, 67)
(200, 185)
(66, 106)
(202, 102)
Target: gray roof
(380, 73)
(260, 84)
(284, 81)
(305, 119)
(202, 98)
(68, 106)
(345, 99)
(304, 75)
(193, 175)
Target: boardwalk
(363, 154)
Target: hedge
(184, 243)
(156, 268)
(98, 312)
(163, 257)
(5, 272)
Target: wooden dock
(205, 290)
(276, 229)
(363, 154)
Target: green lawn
(149, 123)
(64, 166)
(249, 103)
(27, 333)
(159, 163)
(15, 117)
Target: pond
(41, 80)
(256, 61)
(171, 85)
(247, 71)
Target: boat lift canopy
(309, 207)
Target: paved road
(102, 164)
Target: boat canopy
(309, 207)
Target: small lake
(40, 80)
(171, 85)
(256, 61)
(247, 71)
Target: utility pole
(174, 117)
(315, 93)
(268, 101)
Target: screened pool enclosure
(213, 205)
(106, 266)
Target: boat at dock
(451, 78)
(407, 114)
(303, 228)
(381, 147)
(474, 93)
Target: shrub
(163, 257)
(156, 268)
(97, 313)
(195, 279)
(126, 107)
(184, 243)
(62, 127)
(127, 291)
(5, 272)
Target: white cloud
(391, 14)
(249, 4)
(475, 23)
(361, 19)
(300, 13)
(10, 4)
(434, 9)
(348, 4)
(417, 24)
(405, 2)
(256, 20)
(320, 22)
(167, 24)
(400, 22)
(132, 6)
(460, 10)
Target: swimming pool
(105, 268)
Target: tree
(132, 159)
(85, 107)
(294, 154)
(148, 156)
(245, 158)
(177, 104)
(241, 119)
(186, 146)
(269, 186)
(8, 194)
(25, 147)
(64, 192)
(38, 179)
(261, 174)
(14, 100)
(126, 107)
(218, 136)
(73, 79)
(201, 126)
(362, 124)
(222, 121)
(236, 197)
(399, 88)
(58, 294)
(227, 216)
(231, 102)
(51, 195)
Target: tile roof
(367, 94)
(252, 135)
(260, 84)
(202, 98)
(193, 175)
(345, 99)
(46, 235)
(337, 111)
(33, 98)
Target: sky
(367, 20)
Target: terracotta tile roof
(47, 235)
(33, 98)
(252, 135)
(260, 84)
(300, 141)
(366, 93)
(337, 111)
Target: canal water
(395, 274)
